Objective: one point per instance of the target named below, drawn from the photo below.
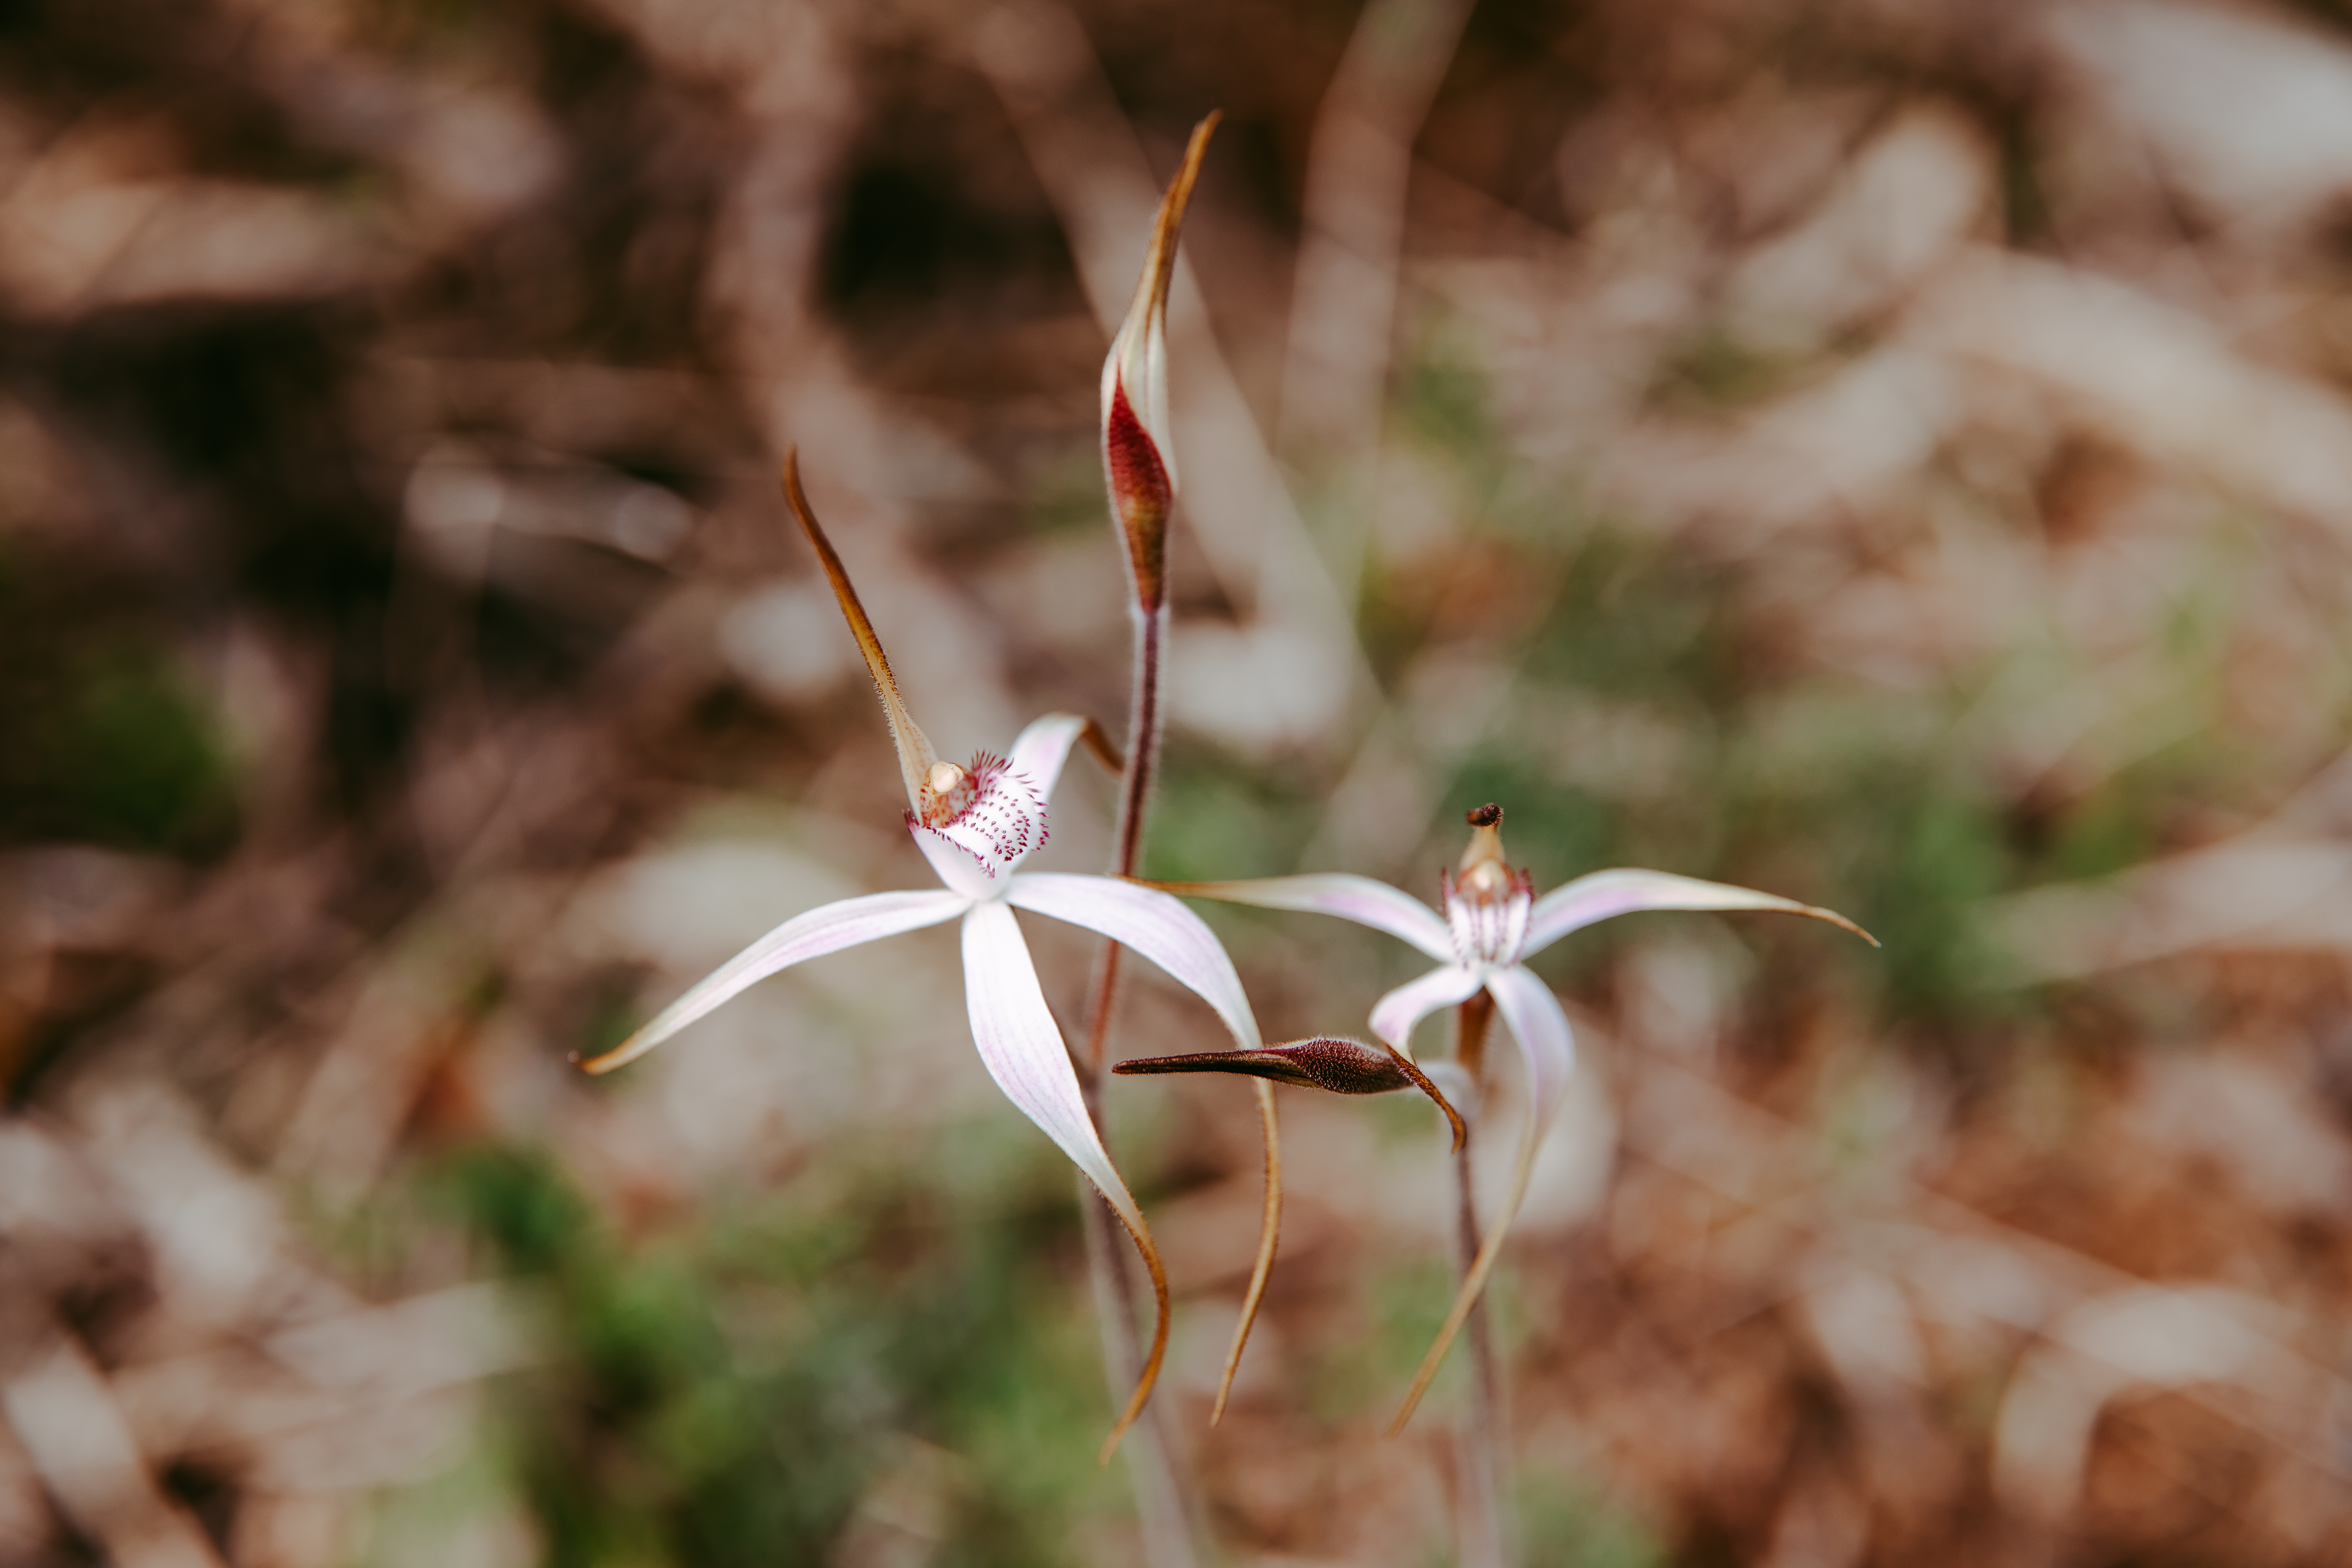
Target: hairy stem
(1484, 1526)
(1160, 1504)
(1142, 739)
(1160, 1499)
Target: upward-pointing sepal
(1138, 455)
(928, 781)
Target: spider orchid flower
(1488, 924)
(975, 824)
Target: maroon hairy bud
(1333, 1065)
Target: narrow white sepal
(1154, 924)
(1394, 1015)
(1345, 895)
(825, 930)
(1604, 895)
(1023, 1051)
(1549, 1052)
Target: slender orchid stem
(1127, 849)
(1142, 740)
(1161, 1505)
(1161, 1502)
(1484, 1526)
(1140, 475)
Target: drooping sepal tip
(1148, 1378)
(1139, 457)
(1342, 1066)
(1269, 1238)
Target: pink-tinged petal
(1547, 1045)
(1023, 1051)
(1155, 925)
(803, 937)
(1341, 893)
(1039, 751)
(1604, 895)
(1394, 1015)
(1547, 1051)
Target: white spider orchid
(975, 824)
(1491, 923)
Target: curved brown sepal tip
(598, 1065)
(1106, 751)
(1150, 1376)
(1421, 1080)
(1269, 1237)
(1839, 921)
(1486, 815)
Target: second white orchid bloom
(1489, 924)
(975, 824)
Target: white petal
(1351, 898)
(1394, 1015)
(1547, 1045)
(1040, 749)
(1604, 894)
(1024, 1049)
(1547, 1049)
(1155, 925)
(813, 935)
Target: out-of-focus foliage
(1892, 456)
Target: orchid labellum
(975, 823)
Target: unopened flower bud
(1138, 455)
(1336, 1066)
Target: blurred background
(1894, 453)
